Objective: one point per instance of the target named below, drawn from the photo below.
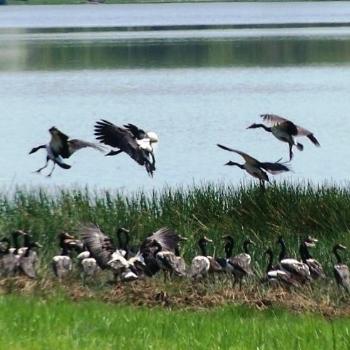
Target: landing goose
(285, 131)
(60, 147)
(256, 168)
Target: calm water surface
(195, 88)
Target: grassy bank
(214, 210)
(59, 324)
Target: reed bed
(214, 210)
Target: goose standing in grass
(168, 262)
(298, 269)
(316, 269)
(283, 252)
(341, 271)
(28, 256)
(169, 241)
(102, 249)
(255, 168)
(285, 131)
(60, 147)
(10, 258)
(88, 264)
(277, 276)
(238, 265)
(130, 139)
(62, 264)
(201, 264)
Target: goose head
(153, 137)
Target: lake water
(194, 87)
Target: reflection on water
(171, 53)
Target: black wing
(167, 238)
(137, 132)
(121, 138)
(98, 244)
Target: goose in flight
(285, 131)
(130, 139)
(255, 168)
(61, 147)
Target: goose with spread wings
(256, 168)
(285, 131)
(61, 147)
(130, 139)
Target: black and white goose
(102, 249)
(62, 264)
(299, 270)
(341, 271)
(60, 147)
(169, 262)
(256, 168)
(10, 257)
(130, 139)
(285, 131)
(28, 259)
(316, 269)
(200, 265)
(238, 265)
(275, 275)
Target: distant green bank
(293, 211)
(74, 2)
(28, 323)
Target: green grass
(214, 210)
(59, 324)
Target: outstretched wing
(112, 135)
(308, 134)
(245, 156)
(274, 168)
(98, 244)
(290, 127)
(167, 238)
(75, 145)
(137, 132)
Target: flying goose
(255, 168)
(60, 147)
(316, 269)
(129, 139)
(285, 131)
(341, 271)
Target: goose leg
(290, 151)
(53, 168)
(44, 167)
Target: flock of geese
(95, 251)
(139, 145)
